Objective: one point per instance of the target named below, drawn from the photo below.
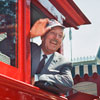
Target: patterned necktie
(41, 64)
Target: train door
(9, 37)
(13, 37)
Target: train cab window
(8, 31)
(36, 14)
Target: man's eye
(52, 33)
(60, 36)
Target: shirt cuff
(36, 78)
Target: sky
(86, 40)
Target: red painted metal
(27, 59)
(14, 72)
(11, 89)
(8, 70)
(66, 7)
(75, 7)
(21, 50)
(73, 17)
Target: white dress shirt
(41, 57)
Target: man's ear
(42, 38)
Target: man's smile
(55, 42)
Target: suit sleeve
(64, 77)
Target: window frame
(22, 72)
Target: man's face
(52, 40)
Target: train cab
(16, 20)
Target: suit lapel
(49, 61)
(52, 61)
(55, 59)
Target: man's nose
(56, 36)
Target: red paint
(12, 89)
(74, 16)
(27, 54)
(8, 70)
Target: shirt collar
(42, 53)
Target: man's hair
(50, 30)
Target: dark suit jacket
(56, 70)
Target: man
(55, 72)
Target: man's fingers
(39, 28)
(47, 29)
(44, 22)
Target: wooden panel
(86, 87)
(77, 70)
(94, 68)
(85, 69)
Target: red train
(16, 18)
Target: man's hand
(39, 28)
(32, 81)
